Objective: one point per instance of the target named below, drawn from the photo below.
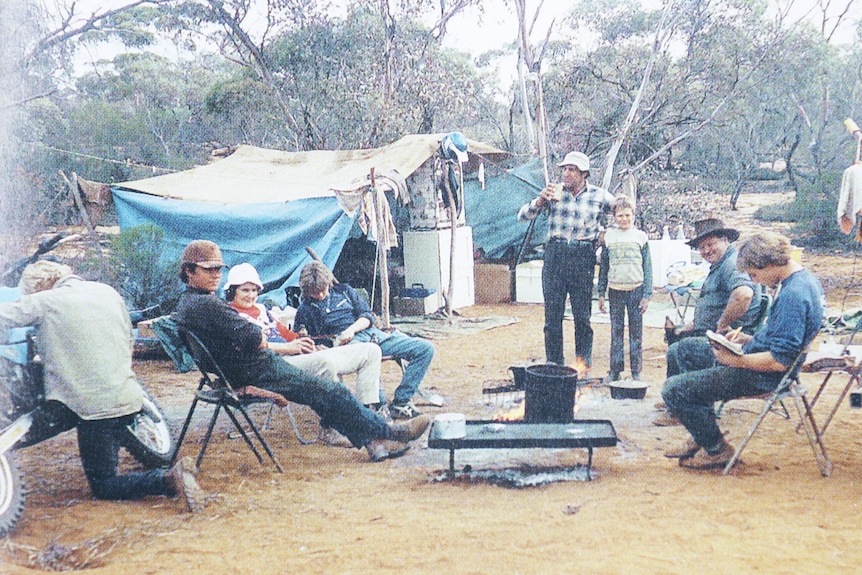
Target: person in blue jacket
(338, 310)
(794, 320)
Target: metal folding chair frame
(248, 401)
(790, 387)
(214, 388)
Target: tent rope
(127, 162)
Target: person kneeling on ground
(85, 340)
(794, 320)
(241, 291)
(330, 308)
(241, 350)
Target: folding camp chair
(214, 388)
(789, 388)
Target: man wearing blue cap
(577, 212)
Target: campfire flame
(581, 366)
(514, 414)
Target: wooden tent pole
(79, 202)
(381, 252)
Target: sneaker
(636, 376)
(380, 449)
(683, 450)
(666, 420)
(410, 429)
(383, 411)
(612, 376)
(332, 438)
(182, 485)
(405, 411)
(705, 460)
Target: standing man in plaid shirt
(577, 214)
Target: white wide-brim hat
(243, 273)
(577, 159)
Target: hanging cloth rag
(850, 199)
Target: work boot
(666, 420)
(380, 449)
(705, 460)
(409, 429)
(182, 485)
(682, 450)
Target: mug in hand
(558, 192)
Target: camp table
(481, 434)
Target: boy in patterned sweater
(625, 273)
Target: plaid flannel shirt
(575, 217)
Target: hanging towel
(850, 199)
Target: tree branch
(64, 32)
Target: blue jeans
(622, 303)
(99, 446)
(689, 354)
(336, 406)
(568, 271)
(691, 397)
(418, 354)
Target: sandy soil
(334, 512)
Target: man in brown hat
(241, 350)
(794, 320)
(728, 299)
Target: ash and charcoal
(517, 478)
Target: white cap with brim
(577, 159)
(243, 273)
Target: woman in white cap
(241, 291)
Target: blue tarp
(270, 236)
(493, 212)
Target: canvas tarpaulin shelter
(265, 206)
(493, 212)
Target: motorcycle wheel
(12, 493)
(149, 437)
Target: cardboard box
(493, 283)
(528, 282)
(415, 305)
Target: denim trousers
(568, 271)
(620, 304)
(689, 354)
(691, 397)
(336, 406)
(418, 354)
(99, 445)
